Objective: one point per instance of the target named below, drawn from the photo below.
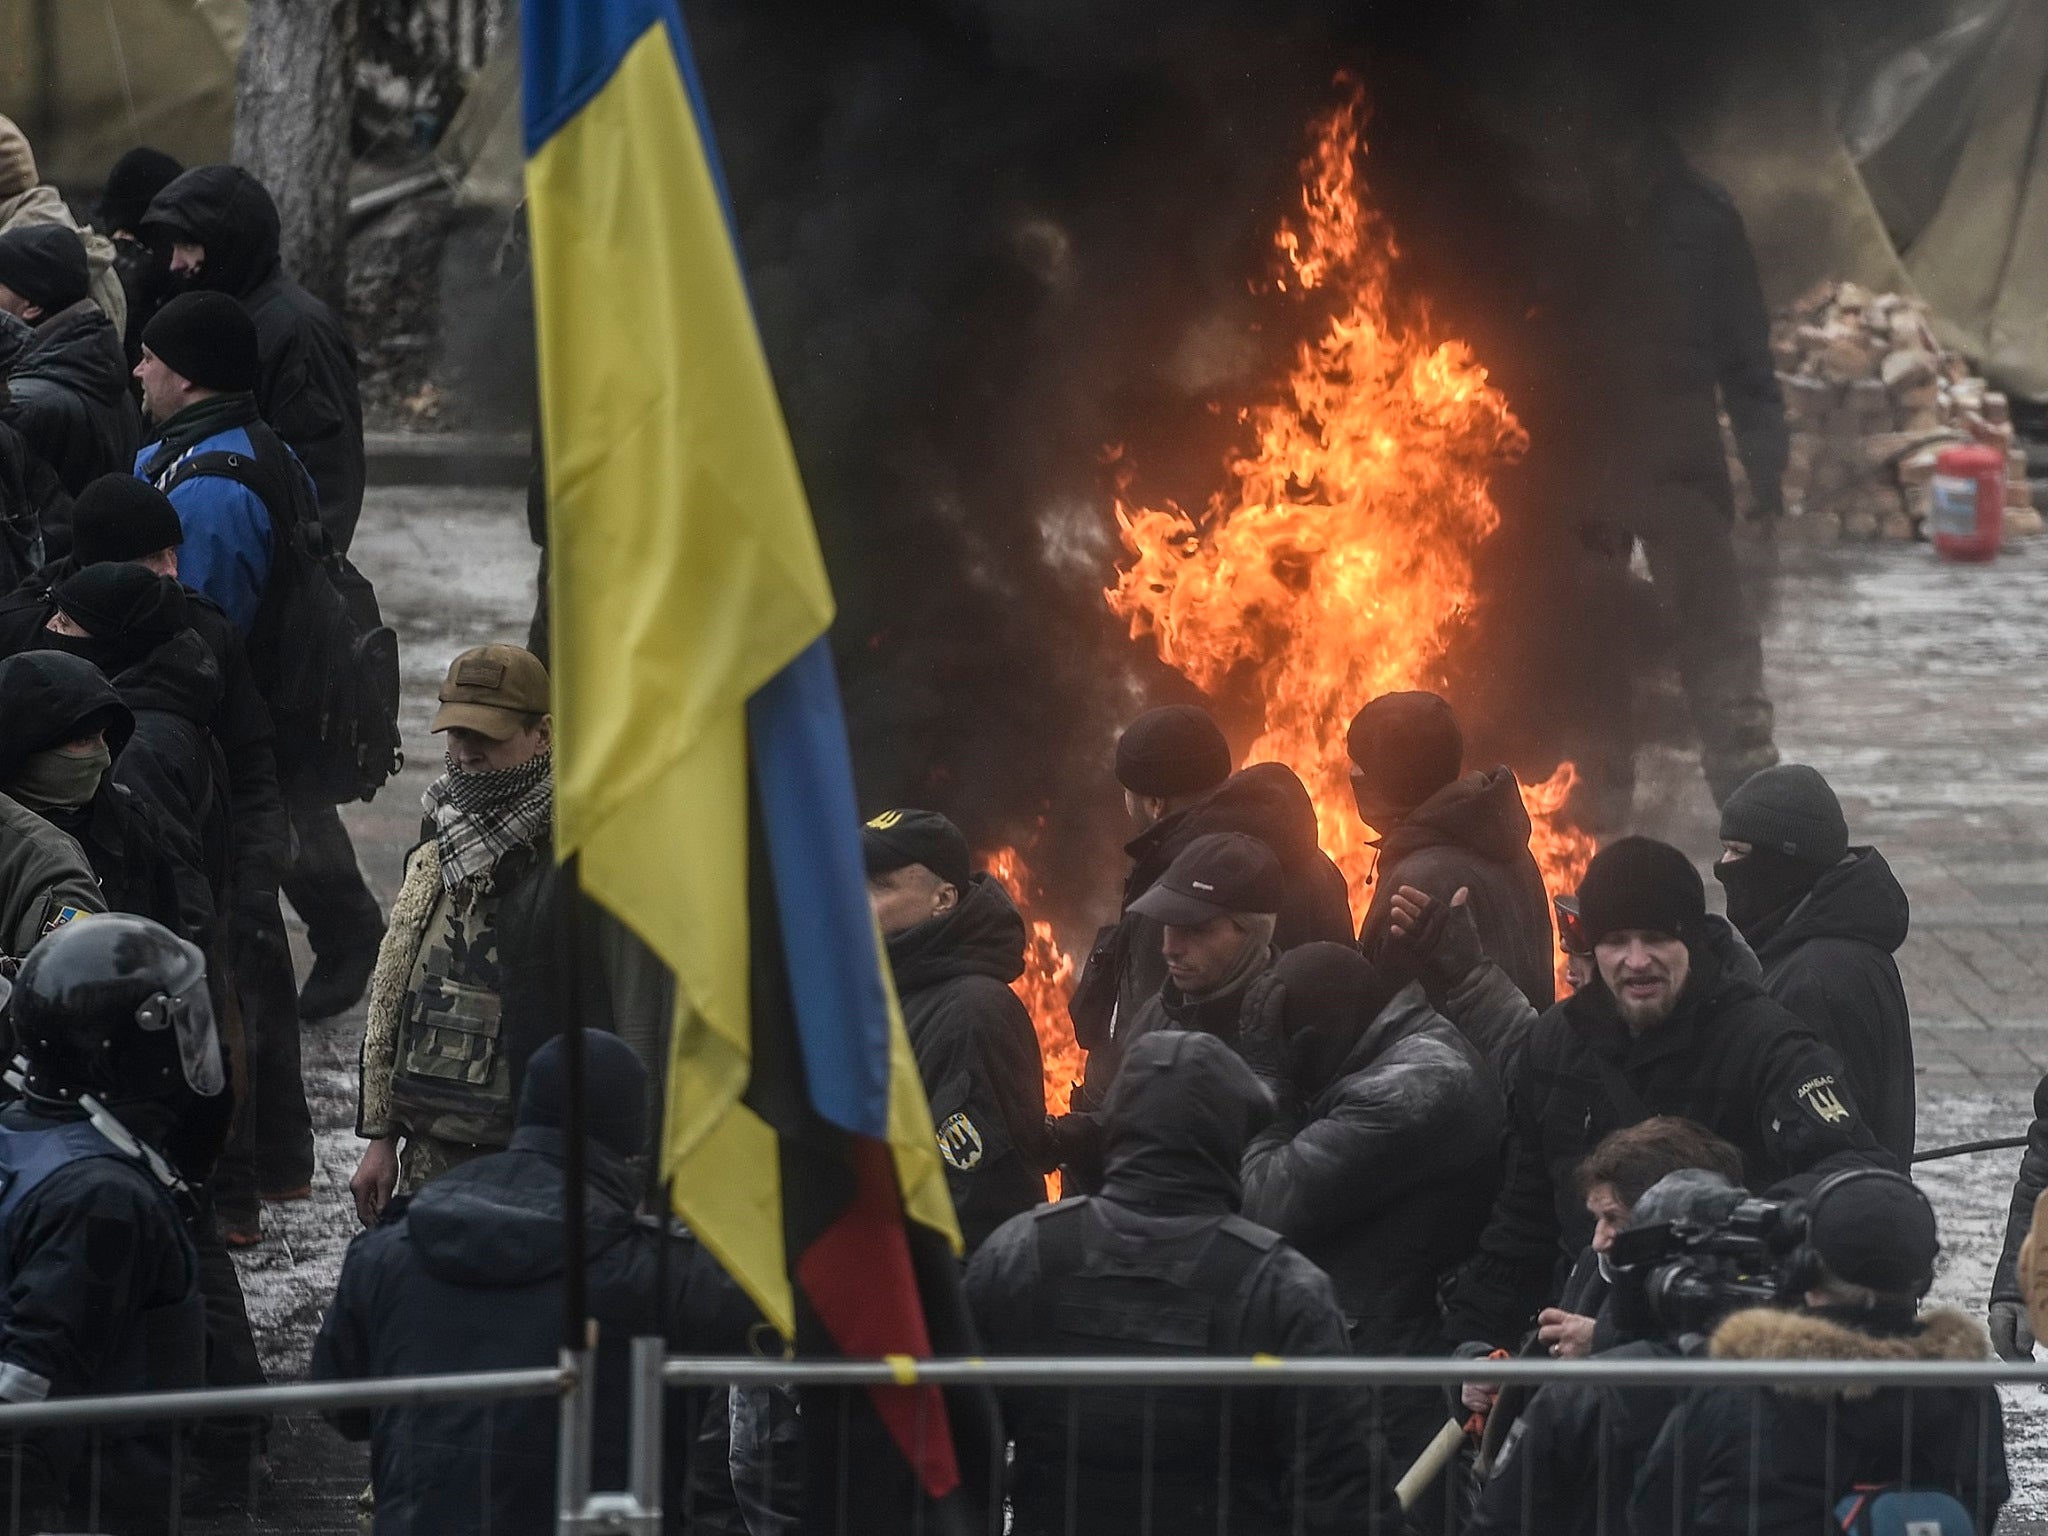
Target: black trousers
(323, 881)
(272, 1143)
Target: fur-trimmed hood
(1765, 1333)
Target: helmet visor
(188, 1014)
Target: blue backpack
(1885, 1511)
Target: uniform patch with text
(1822, 1102)
(960, 1143)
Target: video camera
(1682, 1277)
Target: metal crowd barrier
(639, 1507)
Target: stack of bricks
(1871, 399)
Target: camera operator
(1570, 1461)
(1668, 1027)
(1772, 1460)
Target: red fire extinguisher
(1968, 516)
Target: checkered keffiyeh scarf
(480, 817)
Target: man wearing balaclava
(61, 726)
(1666, 1027)
(1825, 920)
(472, 976)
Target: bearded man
(1664, 1028)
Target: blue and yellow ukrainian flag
(702, 780)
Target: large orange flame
(1337, 563)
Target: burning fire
(1338, 563)
(1048, 978)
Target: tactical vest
(1101, 1292)
(451, 1078)
(161, 1349)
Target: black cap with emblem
(1219, 875)
(895, 839)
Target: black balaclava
(1763, 887)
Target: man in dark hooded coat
(1442, 833)
(1160, 1263)
(61, 726)
(956, 942)
(1825, 920)
(67, 389)
(220, 226)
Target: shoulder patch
(64, 914)
(960, 1143)
(1817, 1095)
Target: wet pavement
(1911, 684)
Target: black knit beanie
(136, 178)
(45, 264)
(614, 1091)
(1789, 809)
(208, 338)
(1642, 884)
(118, 517)
(1407, 747)
(109, 599)
(1175, 750)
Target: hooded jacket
(467, 1276)
(241, 725)
(45, 205)
(1776, 1462)
(68, 396)
(1384, 1175)
(1727, 1058)
(1125, 970)
(977, 1053)
(1830, 963)
(173, 763)
(1473, 833)
(306, 389)
(1178, 1121)
(45, 706)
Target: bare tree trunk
(293, 95)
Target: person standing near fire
(956, 942)
(1173, 765)
(1442, 833)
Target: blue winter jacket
(227, 551)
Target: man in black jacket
(1739, 1461)
(956, 942)
(1160, 1263)
(1663, 1030)
(145, 273)
(61, 727)
(220, 226)
(1825, 920)
(67, 390)
(467, 1275)
(1383, 1158)
(1442, 833)
(1174, 767)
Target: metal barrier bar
(311, 1396)
(1257, 1371)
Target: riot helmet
(115, 1006)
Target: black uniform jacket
(1831, 964)
(1385, 1175)
(1178, 1120)
(467, 1276)
(1126, 970)
(67, 394)
(977, 1053)
(1473, 833)
(306, 385)
(1728, 1058)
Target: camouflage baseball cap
(490, 689)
